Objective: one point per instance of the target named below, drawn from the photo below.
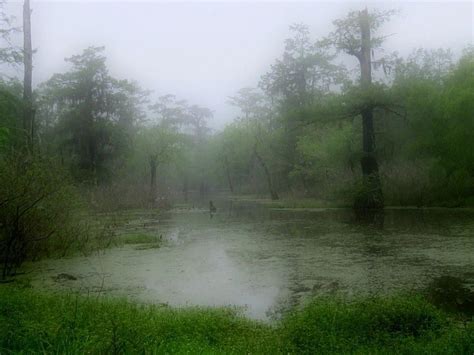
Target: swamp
(236, 177)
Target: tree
(438, 96)
(158, 144)
(198, 118)
(191, 122)
(233, 153)
(29, 113)
(37, 204)
(257, 125)
(11, 132)
(169, 111)
(90, 115)
(304, 70)
(250, 101)
(260, 138)
(298, 80)
(353, 35)
(9, 54)
(11, 107)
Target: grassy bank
(32, 322)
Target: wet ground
(267, 261)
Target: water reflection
(451, 294)
(370, 217)
(269, 261)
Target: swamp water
(267, 261)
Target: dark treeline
(397, 131)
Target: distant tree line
(396, 133)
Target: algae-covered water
(266, 261)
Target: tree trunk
(229, 179)
(273, 193)
(371, 195)
(28, 112)
(153, 166)
(185, 188)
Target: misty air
(191, 177)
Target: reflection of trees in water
(372, 218)
(381, 245)
(247, 211)
(381, 252)
(307, 234)
(385, 236)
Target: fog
(206, 51)
(236, 177)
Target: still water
(266, 261)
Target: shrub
(336, 326)
(38, 209)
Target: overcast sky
(205, 51)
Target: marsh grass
(139, 238)
(392, 325)
(33, 322)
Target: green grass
(34, 322)
(393, 325)
(139, 238)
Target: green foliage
(423, 119)
(437, 128)
(139, 238)
(326, 148)
(376, 326)
(304, 71)
(42, 214)
(10, 109)
(457, 123)
(36, 207)
(88, 117)
(34, 322)
(298, 134)
(9, 53)
(357, 99)
(347, 36)
(4, 137)
(158, 143)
